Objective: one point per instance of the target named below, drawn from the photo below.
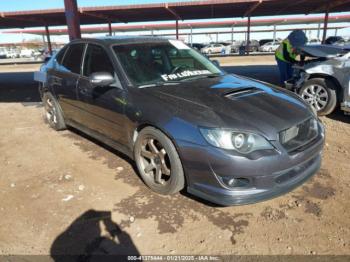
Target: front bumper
(269, 176)
(250, 196)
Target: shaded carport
(73, 15)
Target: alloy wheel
(316, 96)
(154, 161)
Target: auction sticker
(185, 73)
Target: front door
(104, 105)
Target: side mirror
(101, 79)
(216, 62)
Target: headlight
(242, 142)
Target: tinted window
(60, 55)
(72, 58)
(97, 60)
(149, 63)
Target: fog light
(235, 182)
(231, 182)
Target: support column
(217, 37)
(191, 36)
(49, 47)
(274, 33)
(72, 17)
(336, 32)
(248, 36)
(109, 28)
(177, 29)
(232, 32)
(318, 31)
(325, 26)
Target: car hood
(324, 51)
(234, 102)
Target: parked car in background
(264, 41)
(26, 52)
(3, 52)
(13, 53)
(269, 47)
(333, 39)
(314, 41)
(213, 48)
(186, 123)
(197, 46)
(342, 42)
(323, 81)
(253, 46)
(235, 46)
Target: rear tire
(53, 112)
(321, 94)
(158, 162)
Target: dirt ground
(62, 192)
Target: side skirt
(100, 137)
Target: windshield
(159, 63)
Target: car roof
(109, 40)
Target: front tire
(158, 162)
(53, 112)
(321, 94)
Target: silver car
(324, 78)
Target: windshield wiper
(200, 77)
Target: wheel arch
(332, 79)
(141, 126)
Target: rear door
(64, 78)
(103, 106)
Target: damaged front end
(329, 63)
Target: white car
(26, 53)
(213, 48)
(269, 47)
(12, 53)
(2, 52)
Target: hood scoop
(242, 92)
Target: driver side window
(97, 60)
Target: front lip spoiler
(228, 200)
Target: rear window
(73, 57)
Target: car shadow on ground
(76, 134)
(91, 237)
(18, 87)
(339, 115)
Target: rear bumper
(250, 196)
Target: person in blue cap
(287, 52)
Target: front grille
(299, 135)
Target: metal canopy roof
(194, 25)
(173, 11)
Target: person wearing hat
(287, 52)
